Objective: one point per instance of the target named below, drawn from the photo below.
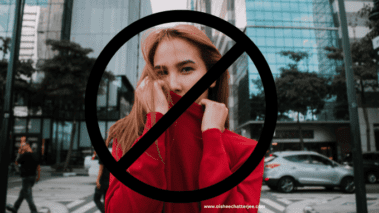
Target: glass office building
(285, 25)
(91, 24)
(298, 26)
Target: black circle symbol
(243, 43)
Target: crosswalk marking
(98, 211)
(286, 201)
(85, 207)
(264, 210)
(75, 203)
(273, 204)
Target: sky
(163, 5)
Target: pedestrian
(102, 184)
(22, 142)
(198, 150)
(29, 162)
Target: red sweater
(184, 159)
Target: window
(320, 160)
(298, 158)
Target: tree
(24, 71)
(6, 45)
(258, 105)
(65, 81)
(364, 70)
(300, 91)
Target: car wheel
(371, 177)
(286, 185)
(348, 185)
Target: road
(273, 202)
(276, 202)
(76, 194)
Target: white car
(93, 165)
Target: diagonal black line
(183, 104)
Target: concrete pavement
(344, 204)
(47, 193)
(340, 204)
(74, 186)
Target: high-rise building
(305, 25)
(91, 24)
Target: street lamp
(374, 16)
(6, 128)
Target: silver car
(289, 169)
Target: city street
(275, 201)
(75, 194)
(57, 194)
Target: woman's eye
(187, 69)
(162, 73)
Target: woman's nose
(174, 83)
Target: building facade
(358, 30)
(86, 22)
(286, 25)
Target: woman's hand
(151, 95)
(98, 183)
(214, 116)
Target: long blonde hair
(129, 128)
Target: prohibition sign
(243, 43)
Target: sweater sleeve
(216, 165)
(148, 168)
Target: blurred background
(301, 41)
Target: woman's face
(178, 62)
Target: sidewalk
(48, 193)
(341, 204)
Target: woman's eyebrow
(180, 64)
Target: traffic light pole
(5, 142)
(360, 190)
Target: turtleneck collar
(195, 109)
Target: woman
(195, 152)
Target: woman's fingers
(214, 116)
(160, 101)
(151, 94)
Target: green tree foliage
(363, 67)
(65, 81)
(297, 90)
(5, 46)
(24, 70)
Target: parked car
(370, 165)
(92, 164)
(284, 171)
